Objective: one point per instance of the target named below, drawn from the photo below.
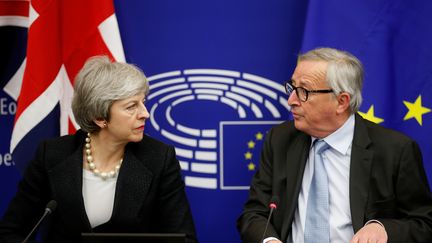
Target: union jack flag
(13, 14)
(62, 35)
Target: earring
(105, 124)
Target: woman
(108, 177)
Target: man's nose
(293, 99)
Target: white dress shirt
(337, 164)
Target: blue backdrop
(216, 70)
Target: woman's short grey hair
(344, 72)
(101, 82)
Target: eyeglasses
(302, 93)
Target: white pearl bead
(92, 165)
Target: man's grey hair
(344, 72)
(101, 82)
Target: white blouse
(98, 197)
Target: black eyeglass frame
(289, 88)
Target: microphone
(50, 207)
(272, 205)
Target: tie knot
(320, 146)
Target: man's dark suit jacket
(387, 183)
(149, 194)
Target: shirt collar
(341, 139)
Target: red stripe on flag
(65, 32)
(71, 127)
(14, 8)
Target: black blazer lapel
(360, 171)
(133, 183)
(297, 154)
(66, 183)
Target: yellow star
(416, 110)
(248, 155)
(259, 136)
(251, 144)
(251, 166)
(370, 115)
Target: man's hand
(370, 233)
(274, 241)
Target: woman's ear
(102, 123)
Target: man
(366, 184)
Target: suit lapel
(66, 184)
(297, 154)
(360, 171)
(133, 184)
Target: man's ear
(343, 105)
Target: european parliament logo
(217, 121)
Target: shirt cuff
(374, 221)
(269, 239)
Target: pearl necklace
(92, 165)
